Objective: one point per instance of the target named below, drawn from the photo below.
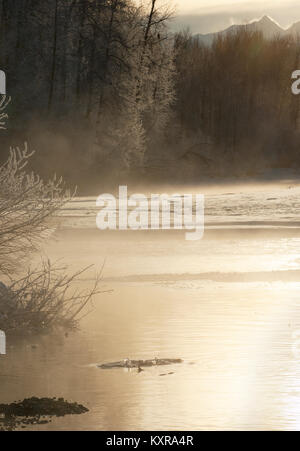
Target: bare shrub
(27, 206)
(36, 300)
(43, 300)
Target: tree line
(106, 65)
(237, 94)
(117, 89)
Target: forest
(102, 89)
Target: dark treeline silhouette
(100, 72)
(237, 94)
(101, 87)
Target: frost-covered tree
(27, 205)
(105, 65)
(38, 299)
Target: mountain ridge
(265, 24)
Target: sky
(205, 16)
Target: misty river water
(228, 305)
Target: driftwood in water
(139, 363)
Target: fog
(215, 16)
(107, 96)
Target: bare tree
(54, 55)
(36, 300)
(27, 206)
(42, 299)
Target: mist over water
(110, 94)
(228, 305)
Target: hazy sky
(204, 16)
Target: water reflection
(235, 336)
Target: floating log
(127, 363)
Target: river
(228, 305)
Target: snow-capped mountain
(294, 29)
(266, 25)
